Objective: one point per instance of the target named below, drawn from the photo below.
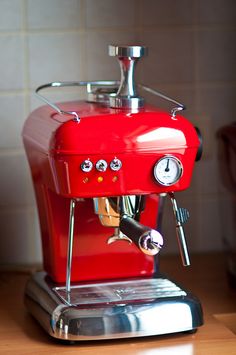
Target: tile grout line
(19, 151)
(169, 28)
(83, 44)
(25, 35)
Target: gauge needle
(167, 166)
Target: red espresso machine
(101, 169)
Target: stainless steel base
(108, 310)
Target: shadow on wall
(227, 165)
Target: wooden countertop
(21, 334)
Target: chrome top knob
(126, 96)
(101, 165)
(127, 51)
(115, 164)
(86, 166)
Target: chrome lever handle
(180, 232)
(59, 84)
(180, 106)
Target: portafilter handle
(148, 240)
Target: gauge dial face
(168, 170)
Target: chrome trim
(127, 51)
(151, 242)
(101, 95)
(109, 95)
(148, 240)
(180, 173)
(161, 205)
(110, 310)
(180, 106)
(180, 233)
(70, 245)
(133, 103)
(101, 165)
(126, 96)
(115, 164)
(86, 166)
(110, 209)
(59, 84)
(107, 209)
(118, 236)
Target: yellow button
(100, 179)
(115, 178)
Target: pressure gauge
(168, 170)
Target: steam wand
(181, 216)
(70, 247)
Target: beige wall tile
(13, 245)
(217, 102)
(16, 247)
(171, 57)
(11, 62)
(10, 15)
(216, 12)
(207, 175)
(12, 118)
(216, 55)
(210, 237)
(15, 181)
(54, 14)
(99, 65)
(166, 12)
(54, 57)
(110, 13)
(34, 254)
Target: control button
(100, 179)
(86, 166)
(101, 165)
(115, 164)
(86, 180)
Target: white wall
(191, 57)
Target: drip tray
(112, 310)
(144, 290)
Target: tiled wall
(191, 57)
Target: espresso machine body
(101, 169)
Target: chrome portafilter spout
(110, 209)
(118, 236)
